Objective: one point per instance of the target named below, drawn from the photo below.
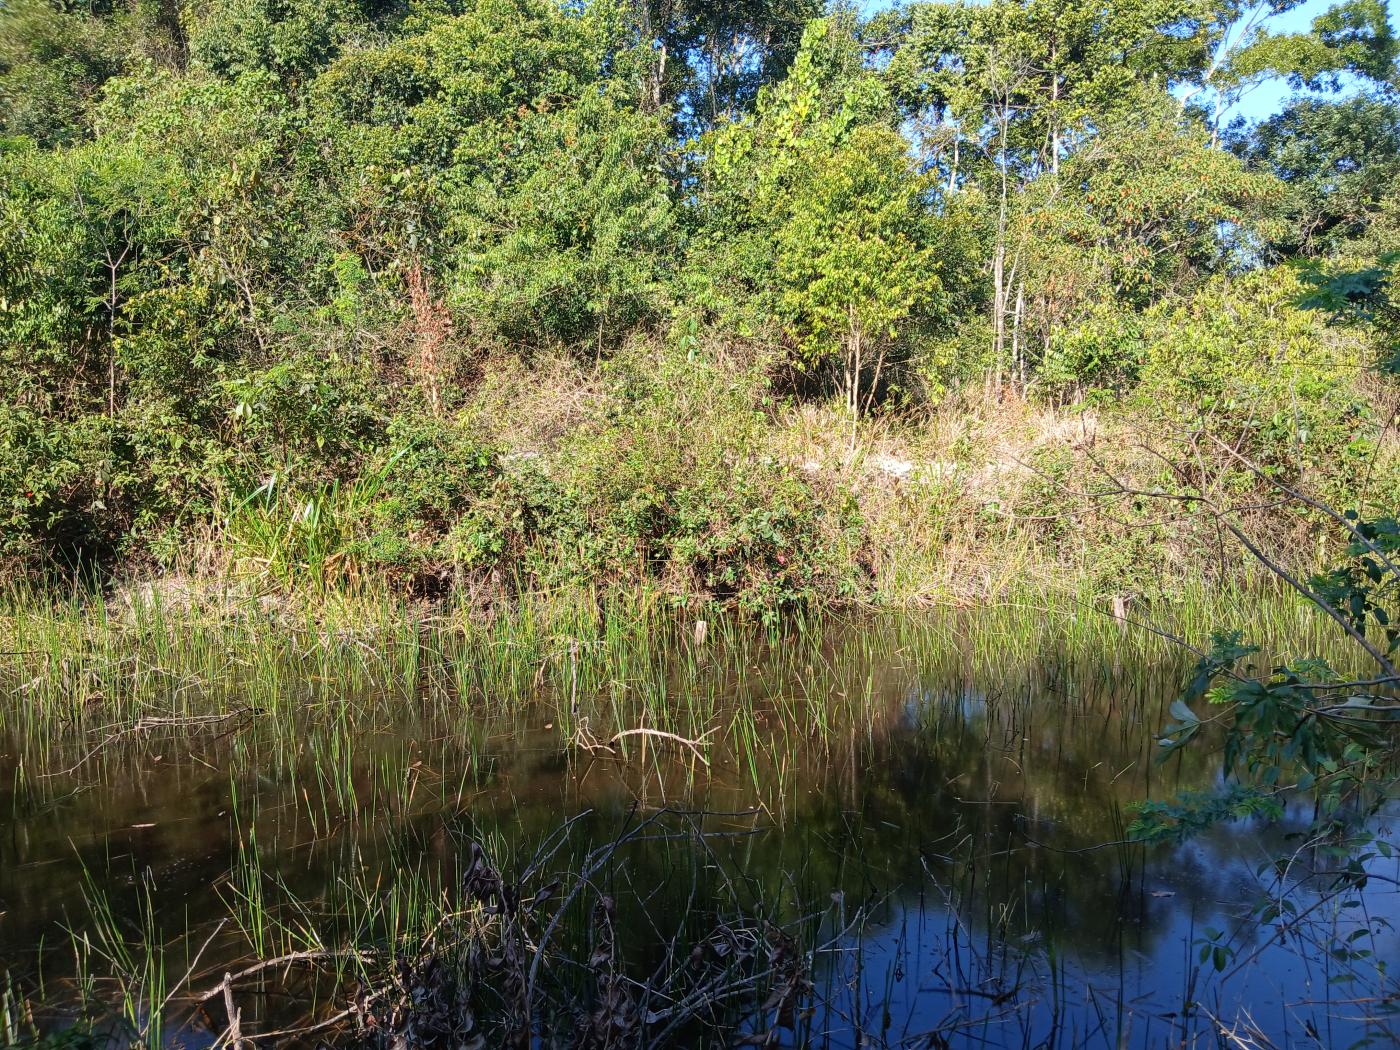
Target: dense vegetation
(756, 303)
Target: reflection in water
(946, 834)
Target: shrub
(493, 144)
(306, 416)
(427, 522)
(396, 520)
(1241, 362)
(52, 62)
(1103, 351)
(673, 487)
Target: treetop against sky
(1264, 99)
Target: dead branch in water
(290, 959)
(694, 745)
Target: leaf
(1182, 713)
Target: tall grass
(79, 662)
(304, 540)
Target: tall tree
(817, 201)
(710, 57)
(1339, 159)
(1000, 95)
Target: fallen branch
(285, 960)
(142, 726)
(694, 745)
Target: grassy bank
(703, 488)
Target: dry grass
(989, 496)
(532, 409)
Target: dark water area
(934, 822)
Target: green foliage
(724, 53)
(52, 63)
(1189, 813)
(1147, 205)
(1143, 215)
(120, 309)
(429, 520)
(289, 38)
(1364, 588)
(1301, 726)
(1111, 192)
(1353, 36)
(305, 414)
(1103, 351)
(1360, 294)
(821, 215)
(676, 488)
(273, 247)
(857, 260)
(1364, 298)
(493, 143)
(405, 517)
(749, 166)
(1028, 77)
(1304, 726)
(569, 252)
(1242, 361)
(1338, 159)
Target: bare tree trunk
(874, 387)
(999, 255)
(652, 89)
(112, 340)
(855, 340)
(998, 306)
(114, 264)
(1055, 114)
(1018, 357)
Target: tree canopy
(242, 238)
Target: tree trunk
(1055, 111)
(999, 256)
(854, 349)
(1018, 351)
(874, 387)
(652, 88)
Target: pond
(888, 831)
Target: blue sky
(1267, 98)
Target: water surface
(933, 810)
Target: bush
(1103, 351)
(820, 231)
(292, 38)
(1240, 361)
(427, 522)
(673, 487)
(494, 145)
(306, 417)
(52, 62)
(397, 520)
